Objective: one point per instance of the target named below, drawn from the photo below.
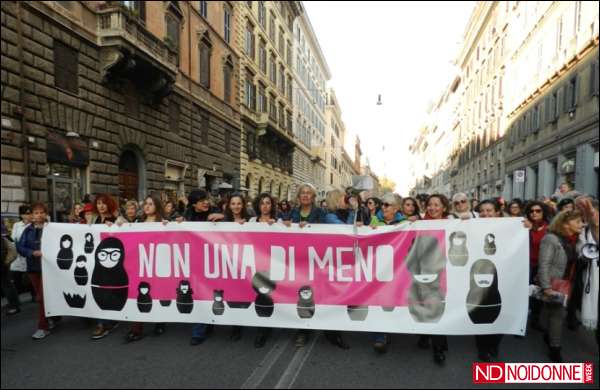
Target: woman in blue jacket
(305, 213)
(29, 246)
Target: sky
(402, 51)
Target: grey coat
(552, 261)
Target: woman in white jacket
(18, 268)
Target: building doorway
(129, 180)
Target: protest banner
(448, 277)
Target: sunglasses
(460, 201)
(386, 205)
(535, 211)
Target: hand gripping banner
(447, 277)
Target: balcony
(130, 51)
(275, 150)
(317, 154)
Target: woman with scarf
(587, 248)
(537, 219)
(557, 262)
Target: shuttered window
(66, 65)
(174, 117)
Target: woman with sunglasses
(462, 210)
(389, 215)
(537, 220)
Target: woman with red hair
(105, 209)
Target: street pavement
(68, 358)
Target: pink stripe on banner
(158, 257)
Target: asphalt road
(69, 359)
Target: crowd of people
(563, 233)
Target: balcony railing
(118, 22)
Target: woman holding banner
(488, 345)
(557, 262)
(131, 211)
(29, 246)
(105, 212)
(437, 206)
(266, 211)
(537, 217)
(153, 212)
(410, 209)
(389, 215)
(307, 212)
(515, 208)
(284, 211)
(374, 206)
(590, 263)
(341, 209)
(200, 210)
(236, 211)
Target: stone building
(311, 74)
(264, 45)
(126, 98)
(552, 100)
(335, 134)
(528, 116)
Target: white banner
(447, 277)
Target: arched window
(227, 79)
(205, 49)
(131, 175)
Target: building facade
(126, 98)
(431, 152)
(552, 113)
(264, 45)
(335, 135)
(311, 74)
(527, 119)
(477, 161)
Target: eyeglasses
(535, 211)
